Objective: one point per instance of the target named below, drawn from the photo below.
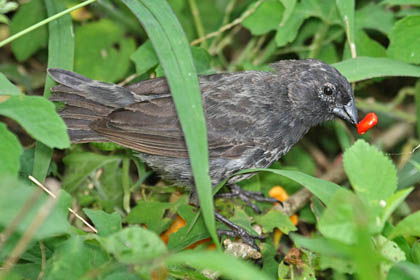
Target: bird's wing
(235, 114)
(152, 127)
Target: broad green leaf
(275, 219)
(144, 58)
(80, 165)
(95, 54)
(7, 88)
(415, 252)
(346, 10)
(150, 213)
(105, 223)
(60, 55)
(18, 195)
(39, 118)
(188, 235)
(288, 31)
(363, 68)
(404, 271)
(393, 202)
(122, 275)
(73, 259)
(405, 40)
(243, 220)
(365, 46)
(328, 54)
(28, 14)
(174, 54)
(228, 266)
(323, 246)
(372, 16)
(372, 174)
(390, 251)
(322, 189)
(134, 245)
(10, 151)
(266, 17)
(337, 220)
(409, 174)
(289, 6)
(408, 226)
(401, 2)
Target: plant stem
(126, 184)
(43, 22)
(197, 20)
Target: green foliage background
(361, 223)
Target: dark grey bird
(253, 118)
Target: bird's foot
(237, 231)
(247, 196)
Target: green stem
(43, 22)
(126, 183)
(318, 40)
(197, 20)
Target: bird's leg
(247, 196)
(237, 231)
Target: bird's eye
(328, 90)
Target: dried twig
(36, 182)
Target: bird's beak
(347, 112)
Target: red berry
(369, 121)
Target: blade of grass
(43, 22)
(172, 48)
(60, 55)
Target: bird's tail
(86, 101)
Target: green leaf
(323, 246)
(144, 58)
(10, 151)
(228, 266)
(408, 226)
(376, 17)
(193, 231)
(288, 30)
(390, 251)
(150, 213)
(415, 252)
(322, 189)
(337, 220)
(365, 46)
(405, 40)
(60, 55)
(346, 10)
(404, 271)
(39, 118)
(134, 245)
(7, 88)
(275, 219)
(174, 54)
(73, 259)
(105, 223)
(95, 54)
(372, 174)
(393, 202)
(289, 6)
(80, 165)
(19, 196)
(28, 14)
(266, 17)
(401, 2)
(363, 68)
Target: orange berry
(294, 219)
(176, 225)
(278, 193)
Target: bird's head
(317, 91)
